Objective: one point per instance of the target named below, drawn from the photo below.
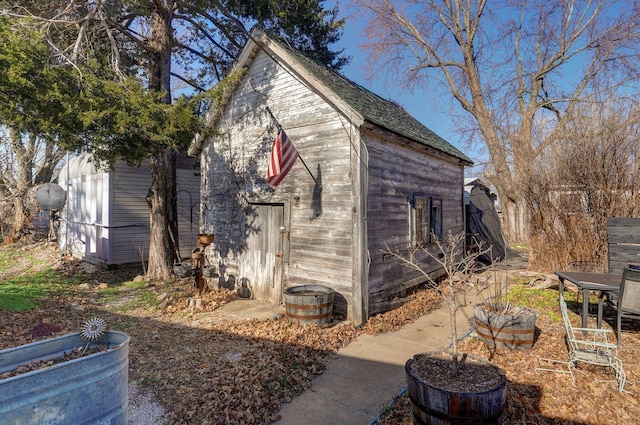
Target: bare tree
(458, 268)
(24, 162)
(589, 173)
(514, 68)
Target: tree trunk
(453, 307)
(24, 174)
(163, 248)
(163, 225)
(515, 220)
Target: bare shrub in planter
(458, 269)
(445, 387)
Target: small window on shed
(436, 218)
(421, 209)
(426, 219)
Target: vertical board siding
(259, 267)
(129, 229)
(106, 216)
(235, 162)
(623, 241)
(395, 173)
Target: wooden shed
(368, 175)
(105, 219)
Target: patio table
(602, 282)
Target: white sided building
(105, 219)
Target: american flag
(283, 156)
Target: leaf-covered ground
(204, 370)
(552, 398)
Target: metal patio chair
(626, 303)
(592, 348)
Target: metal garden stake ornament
(93, 329)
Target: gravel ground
(143, 408)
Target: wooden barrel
(309, 304)
(499, 330)
(432, 405)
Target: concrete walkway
(369, 372)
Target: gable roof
(374, 108)
(371, 107)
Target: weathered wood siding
(189, 206)
(318, 243)
(396, 173)
(623, 240)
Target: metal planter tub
(182, 270)
(86, 390)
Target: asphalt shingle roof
(375, 109)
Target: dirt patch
(472, 374)
(143, 408)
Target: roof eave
(394, 136)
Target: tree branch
(189, 81)
(205, 33)
(196, 10)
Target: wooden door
(260, 268)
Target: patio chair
(626, 302)
(593, 348)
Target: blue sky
(423, 108)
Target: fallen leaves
(552, 398)
(44, 329)
(203, 369)
(206, 371)
(74, 353)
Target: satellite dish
(50, 196)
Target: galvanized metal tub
(182, 270)
(87, 390)
(309, 304)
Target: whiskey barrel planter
(435, 405)
(86, 390)
(309, 304)
(503, 330)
